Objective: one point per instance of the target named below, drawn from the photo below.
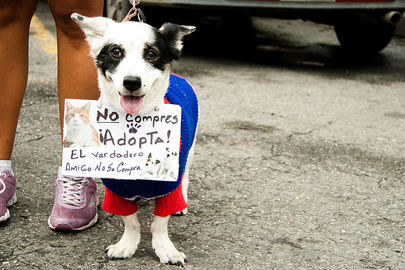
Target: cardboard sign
(109, 143)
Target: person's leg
(15, 17)
(75, 205)
(77, 75)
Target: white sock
(6, 165)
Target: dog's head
(133, 59)
(169, 153)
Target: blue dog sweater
(180, 93)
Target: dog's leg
(128, 244)
(184, 187)
(162, 244)
(185, 182)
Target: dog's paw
(167, 253)
(171, 256)
(122, 249)
(181, 213)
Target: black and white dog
(133, 62)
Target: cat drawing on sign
(79, 131)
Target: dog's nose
(132, 83)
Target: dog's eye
(151, 54)
(116, 52)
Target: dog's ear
(92, 27)
(173, 35)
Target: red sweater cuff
(117, 205)
(171, 203)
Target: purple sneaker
(7, 193)
(75, 205)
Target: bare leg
(77, 78)
(162, 244)
(129, 242)
(77, 74)
(15, 17)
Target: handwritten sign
(106, 142)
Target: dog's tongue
(131, 104)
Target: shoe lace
(72, 190)
(3, 185)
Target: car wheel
(116, 9)
(363, 36)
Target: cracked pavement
(299, 162)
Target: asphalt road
(299, 161)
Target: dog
(133, 61)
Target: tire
(116, 9)
(364, 37)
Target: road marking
(45, 36)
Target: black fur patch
(171, 35)
(165, 44)
(105, 61)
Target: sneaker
(7, 193)
(75, 205)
